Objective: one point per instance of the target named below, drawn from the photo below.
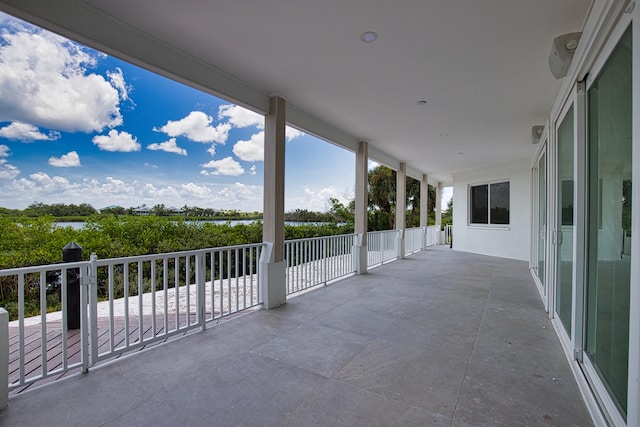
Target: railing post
(92, 288)
(325, 263)
(200, 286)
(423, 238)
(72, 252)
(4, 358)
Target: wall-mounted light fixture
(536, 133)
(562, 51)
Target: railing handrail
(308, 239)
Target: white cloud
(169, 146)
(191, 191)
(226, 166)
(212, 150)
(150, 191)
(69, 160)
(291, 133)
(7, 171)
(314, 199)
(117, 141)
(25, 132)
(197, 126)
(117, 80)
(240, 117)
(251, 150)
(241, 192)
(44, 81)
(252, 170)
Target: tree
(382, 192)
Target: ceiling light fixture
(422, 102)
(368, 36)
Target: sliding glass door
(565, 227)
(609, 221)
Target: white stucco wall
(513, 241)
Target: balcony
(439, 338)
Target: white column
(439, 213)
(362, 204)
(4, 358)
(272, 265)
(401, 207)
(424, 209)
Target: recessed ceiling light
(444, 135)
(460, 153)
(368, 36)
(422, 102)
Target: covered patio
(440, 338)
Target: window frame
(488, 224)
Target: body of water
(80, 224)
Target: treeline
(37, 241)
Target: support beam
(401, 207)
(362, 204)
(272, 264)
(439, 212)
(424, 209)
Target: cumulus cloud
(212, 150)
(7, 171)
(69, 160)
(116, 78)
(226, 166)
(251, 150)
(252, 170)
(195, 191)
(241, 192)
(25, 132)
(45, 81)
(314, 199)
(169, 146)
(240, 117)
(197, 126)
(117, 141)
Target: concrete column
(4, 358)
(362, 205)
(401, 207)
(272, 264)
(439, 212)
(424, 209)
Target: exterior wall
(512, 241)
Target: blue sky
(78, 126)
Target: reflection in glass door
(565, 224)
(542, 219)
(609, 221)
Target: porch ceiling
(480, 65)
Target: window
(490, 203)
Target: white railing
(129, 303)
(448, 234)
(413, 240)
(382, 246)
(316, 261)
(432, 235)
(144, 299)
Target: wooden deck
(54, 340)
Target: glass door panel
(609, 221)
(542, 219)
(566, 227)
